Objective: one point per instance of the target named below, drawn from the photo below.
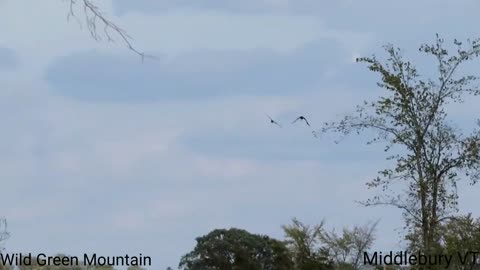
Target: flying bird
(273, 121)
(301, 117)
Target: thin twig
(93, 16)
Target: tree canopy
(429, 153)
(236, 249)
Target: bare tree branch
(392, 203)
(4, 235)
(94, 17)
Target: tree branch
(392, 203)
(93, 15)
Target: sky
(102, 153)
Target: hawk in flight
(273, 121)
(301, 117)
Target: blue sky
(101, 153)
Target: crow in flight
(273, 121)
(301, 117)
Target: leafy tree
(236, 249)
(410, 117)
(347, 249)
(303, 242)
(461, 236)
(362, 240)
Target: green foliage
(461, 235)
(234, 249)
(431, 155)
(304, 244)
(347, 249)
(313, 247)
(305, 248)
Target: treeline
(312, 247)
(304, 247)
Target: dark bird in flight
(273, 121)
(301, 117)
